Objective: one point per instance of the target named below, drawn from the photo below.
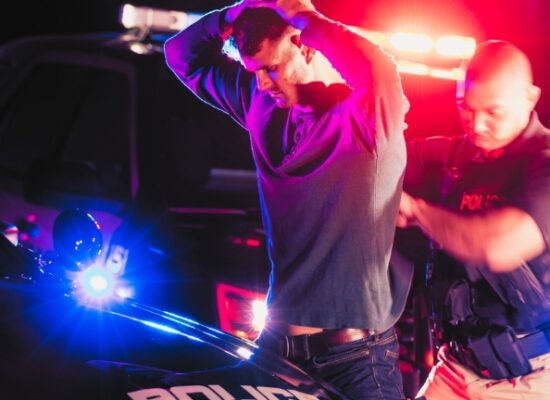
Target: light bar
(156, 19)
(461, 47)
(452, 74)
(413, 68)
(401, 44)
(411, 42)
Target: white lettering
(257, 395)
(217, 392)
(183, 392)
(271, 393)
(151, 394)
(222, 392)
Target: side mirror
(77, 238)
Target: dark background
(526, 23)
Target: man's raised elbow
(171, 51)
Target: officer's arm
(502, 239)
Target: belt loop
(305, 345)
(287, 355)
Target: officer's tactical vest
(469, 299)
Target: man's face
(280, 67)
(493, 111)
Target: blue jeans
(363, 369)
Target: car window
(68, 112)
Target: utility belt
(500, 353)
(481, 337)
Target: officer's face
(280, 68)
(495, 110)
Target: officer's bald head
(500, 60)
(497, 95)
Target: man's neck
(493, 154)
(318, 96)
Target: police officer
(482, 199)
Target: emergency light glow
(411, 42)
(452, 74)
(412, 68)
(449, 46)
(97, 283)
(259, 314)
(242, 312)
(154, 18)
(124, 292)
(461, 47)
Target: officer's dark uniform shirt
(457, 175)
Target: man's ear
(306, 51)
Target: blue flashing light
(97, 283)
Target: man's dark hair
(253, 26)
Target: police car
(69, 330)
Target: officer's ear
(533, 95)
(306, 51)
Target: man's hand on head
(233, 12)
(293, 11)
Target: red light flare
(249, 242)
(433, 17)
(429, 359)
(235, 310)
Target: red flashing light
(429, 358)
(460, 47)
(237, 241)
(252, 242)
(249, 242)
(238, 311)
(411, 42)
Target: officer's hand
(406, 216)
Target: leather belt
(335, 337)
(303, 347)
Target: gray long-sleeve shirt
(329, 180)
